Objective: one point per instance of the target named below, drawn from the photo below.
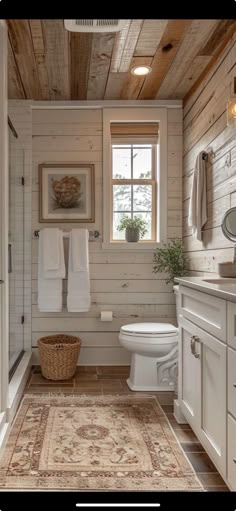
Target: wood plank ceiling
(46, 62)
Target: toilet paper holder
(106, 315)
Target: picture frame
(66, 192)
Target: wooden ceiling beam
(21, 43)
(130, 44)
(56, 41)
(198, 33)
(115, 85)
(230, 34)
(149, 37)
(15, 87)
(166, 51)
(118, 47)
(102, 47)
(40, 58)
(122, 55)
(216, 38)
(80, 55)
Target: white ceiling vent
(94, 25)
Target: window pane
(121, 197)
(118, 235)
(142, 163)
(142, 197)
(147, 217)
(121, 167)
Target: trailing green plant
(171, 259)
(136, 223)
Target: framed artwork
(66, 192)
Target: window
(134, 176)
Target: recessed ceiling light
(141, 70)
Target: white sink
(222, 280)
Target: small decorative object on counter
(135, 228)
(227, 269)
(58, 356)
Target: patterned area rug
(104, 443)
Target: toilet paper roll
(106, 315)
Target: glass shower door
(16, 252)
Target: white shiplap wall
(121, 282)
(205, 128)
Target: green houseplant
(135, 228)
(171, 259)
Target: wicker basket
(58, 356)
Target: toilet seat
(149, 330)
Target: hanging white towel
(78, 298)
(51, 270)
(197, 216)
(51, 254)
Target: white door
(212, 394)
(189, 376)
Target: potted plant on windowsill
(171, 260)
(135, 228)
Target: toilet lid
(149, 329)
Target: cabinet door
(189, 374)
(212, 395)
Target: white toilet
(154, 354)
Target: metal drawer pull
(192, 344)
(1, 281)
(234, 460)
(197, 355)
(234, 385)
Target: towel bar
(93, 235)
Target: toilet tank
(177, 299)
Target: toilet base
(143, 388)
(150, 374)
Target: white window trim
(129, 115)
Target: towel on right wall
(197, 215)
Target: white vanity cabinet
(202, 388)
(207, 374)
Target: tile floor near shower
(101, 380)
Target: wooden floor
(112, 380)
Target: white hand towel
(50, 280)
(78, 298)
(50, 295)
(51, 254)
(79, 247)
(197, 216)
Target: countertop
(226, 288)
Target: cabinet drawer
(231, 453)
(206, 311)
(231, 314)
(232, 382)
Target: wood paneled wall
(121, 282)
(205, 128)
